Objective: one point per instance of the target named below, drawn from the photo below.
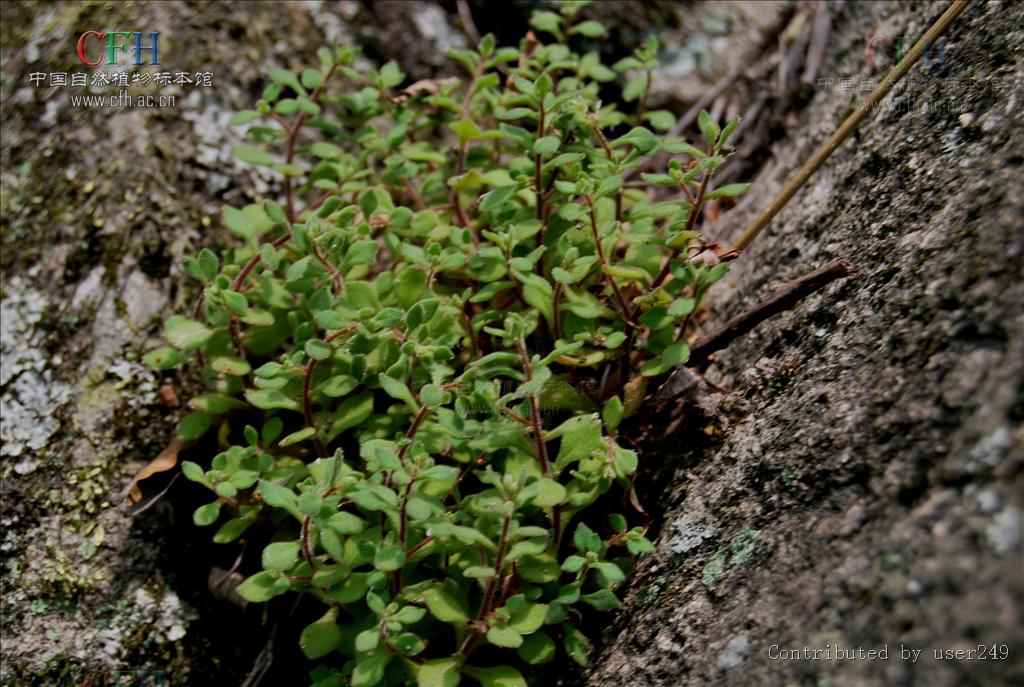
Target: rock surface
(100, 205)
(868, 492)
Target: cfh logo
(110, 44)
(883, 52)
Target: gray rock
(880, 451)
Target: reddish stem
(538, 430)
(604, 263)
(307, 407)
(691, 221)
(485, 605)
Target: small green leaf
(538, 293)
(504, 636)
(439, 672)
(479, 572)
(611, 572)
(367, 640)
(728, 191)
(658, 179)
(573, 564)
(318, 349)
(548, 493)
(682, 307)
(537, 649)
(410, 615)
(232, 530)
(662, 120)
(351, 589)
(432, 395)
(260, 587)
(286, 106)
(268, 399)
(369, 670)
(186, 334)
(194, 425)
(675, 355)
(280, 497)
(230, 365)
(281, 555)
(321, 637)
(193, 472)
(164, 358)
(207, 514)
(708, 127)
(410, 285)
(498, 676)
(346, 523)
(253, 155)
(640, 138)
(609, 185)
(239, 222)
(585, 539)
(572, 212)
(547, 145)
(543, 20)
(244, 117)
(497, 197)
(285, 78)
(389, 558)
(589, 28)
(516, 113)
(275, 212)
(297, 436)
(408, 644)
(445, 607)
(612, 413)
(310, 503)
(466, 129)
(208, 263)
(602, 600)
(530, 619)
(576, 644)
(399, 391)
(327, 151)
(312, 78)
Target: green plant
(420, 376)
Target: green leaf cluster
(420, 358)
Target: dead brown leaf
(223, 584)
(169, 396)
(634, 395)
(426, 87)
(133, 500)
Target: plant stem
(338, 281)
(307, 548)
(641, 110)
(416, 198)
(691, 221)
(538, 179)
(415, 549)
(255, 260)
(307, 407)
(623, 306)
(413, 428)
(538, 430)
(293, 135)
(556, 313)
(485, 604)
(403, 534)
